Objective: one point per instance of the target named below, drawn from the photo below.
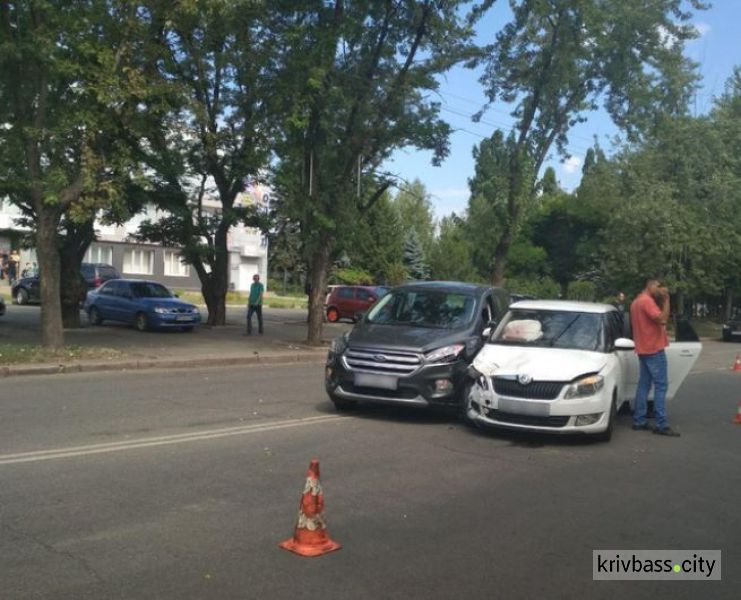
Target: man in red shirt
(649, 314)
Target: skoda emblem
(524, 379)
(379, 357)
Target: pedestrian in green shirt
(254, 304)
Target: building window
(174, 266)
(139, 261)
(99, 254)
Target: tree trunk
(500, 257)
(319, 270)
(47, 251)
(728, 308)
(76, 241)
(214, 293)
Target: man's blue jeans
(654, 371)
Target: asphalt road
(180, 485)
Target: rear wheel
(333, 315)
(141, 322)
(94, 316)
(21, 296)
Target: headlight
(339, 344)
(445, 353)
(161, 311)
(588, 386)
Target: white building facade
(114, 245)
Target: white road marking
(57, 453)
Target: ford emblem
(380, 357)
(524, 379)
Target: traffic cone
(737, 420)
(310, 537)
(737, 363)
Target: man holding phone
(649, 314)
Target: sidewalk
(284, 341)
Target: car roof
(453, 286)
(121, 280)
(563, 305)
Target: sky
(717, 50)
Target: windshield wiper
(558, 337)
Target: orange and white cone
(737, 420)
(737, 363)
(310, 537)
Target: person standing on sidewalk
(649, 314)
(254, 304)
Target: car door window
(363, 295)
(107, 290)
(345, 293)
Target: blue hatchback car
(144, 304)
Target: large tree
(558, 59)
(66, 78)
(363, 73)
(219, 61)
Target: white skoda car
(562, 367)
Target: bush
(540, 287)
(353, 276)
(581, 290)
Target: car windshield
(550, 329)
(149, 290)
(424, 308)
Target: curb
(146, 364)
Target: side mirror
(176, 295)
(624, 344)
(486, 332)
(359, 316)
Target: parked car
(28, 289)
(414, 345)
(562, 367)
(732, 329)
(2, 306)
(96, 274)
(346, 301)
(144, 304)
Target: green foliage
(414, 259)
(353, 276)
(450, 258)
(397, 274)
(540, 287)
(414, 208)
(582, 290)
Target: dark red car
(345, 301)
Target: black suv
(28, 289)
(414, 345)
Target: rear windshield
(424, 308)
(107, 273)
(149, 290)
(550, 329)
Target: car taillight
(97, 282)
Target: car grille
(401, 393)
(536, 390)
(383, 361)
(505, 417)
(181, 311)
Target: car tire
(94, 316)
(727, 335)
(20, 296)
(606, 435)
(140, 321)
(343, 404)
(333, 315)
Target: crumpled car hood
(542, 364)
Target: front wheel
(606, 435)
(94, 316)
(141, 322)
(21, 296)
(342, 404)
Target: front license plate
(386, 382)
(523, 407)
(183, 318)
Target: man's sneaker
(666, 431)
(644, 427)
